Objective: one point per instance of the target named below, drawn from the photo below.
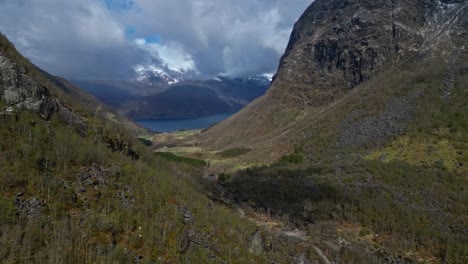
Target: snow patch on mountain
(268, 76)
(149, 74)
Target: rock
(359, 129)
(290, 237)
(332, 246)
(256, 244)
(187, 216)
(22, 91)
(301, 259)
(114, 171)
(97, 175)
(116, 144)
(138, 258)
(343, 242)
(122, 194)
(29, 208)
(19, 89)
(212, 177)
(322, 256)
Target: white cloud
(172, 55)
(241, 37)
(84, 39)
(72, 38)
(95, 26)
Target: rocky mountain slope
(183, 99)
(364, 128)
(336, 49)
(21, 91)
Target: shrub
(223, 177)
(295, 158)
(231, 153)
(175, 158)
(8, 213)
(145, 142)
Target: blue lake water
(171, 125)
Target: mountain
(152, 96)
(153, 75)
(77, 187)
(362, 132)
(339, 52)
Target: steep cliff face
(20, 90)
(337, 45)
(335, 48)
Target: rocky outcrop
(29, 208)
(337, 45)
(20, 90)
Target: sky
(109, 39)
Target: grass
(231, 153)
(8, 215)
(174, 158)
(295, 158)
(422, 149)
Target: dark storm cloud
(106, 39)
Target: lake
(175, 124)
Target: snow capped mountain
(263, 78)
(152, 74)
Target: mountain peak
(154, 75)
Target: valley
(354, 152)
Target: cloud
(73, 38)
(171, 55)
(238, 38)
(102, 39)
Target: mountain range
(158, 95)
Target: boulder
(256, 244)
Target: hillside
(364, 129)
(184, 99)
(76, 187)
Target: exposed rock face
(335, 46)
(22, 91)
